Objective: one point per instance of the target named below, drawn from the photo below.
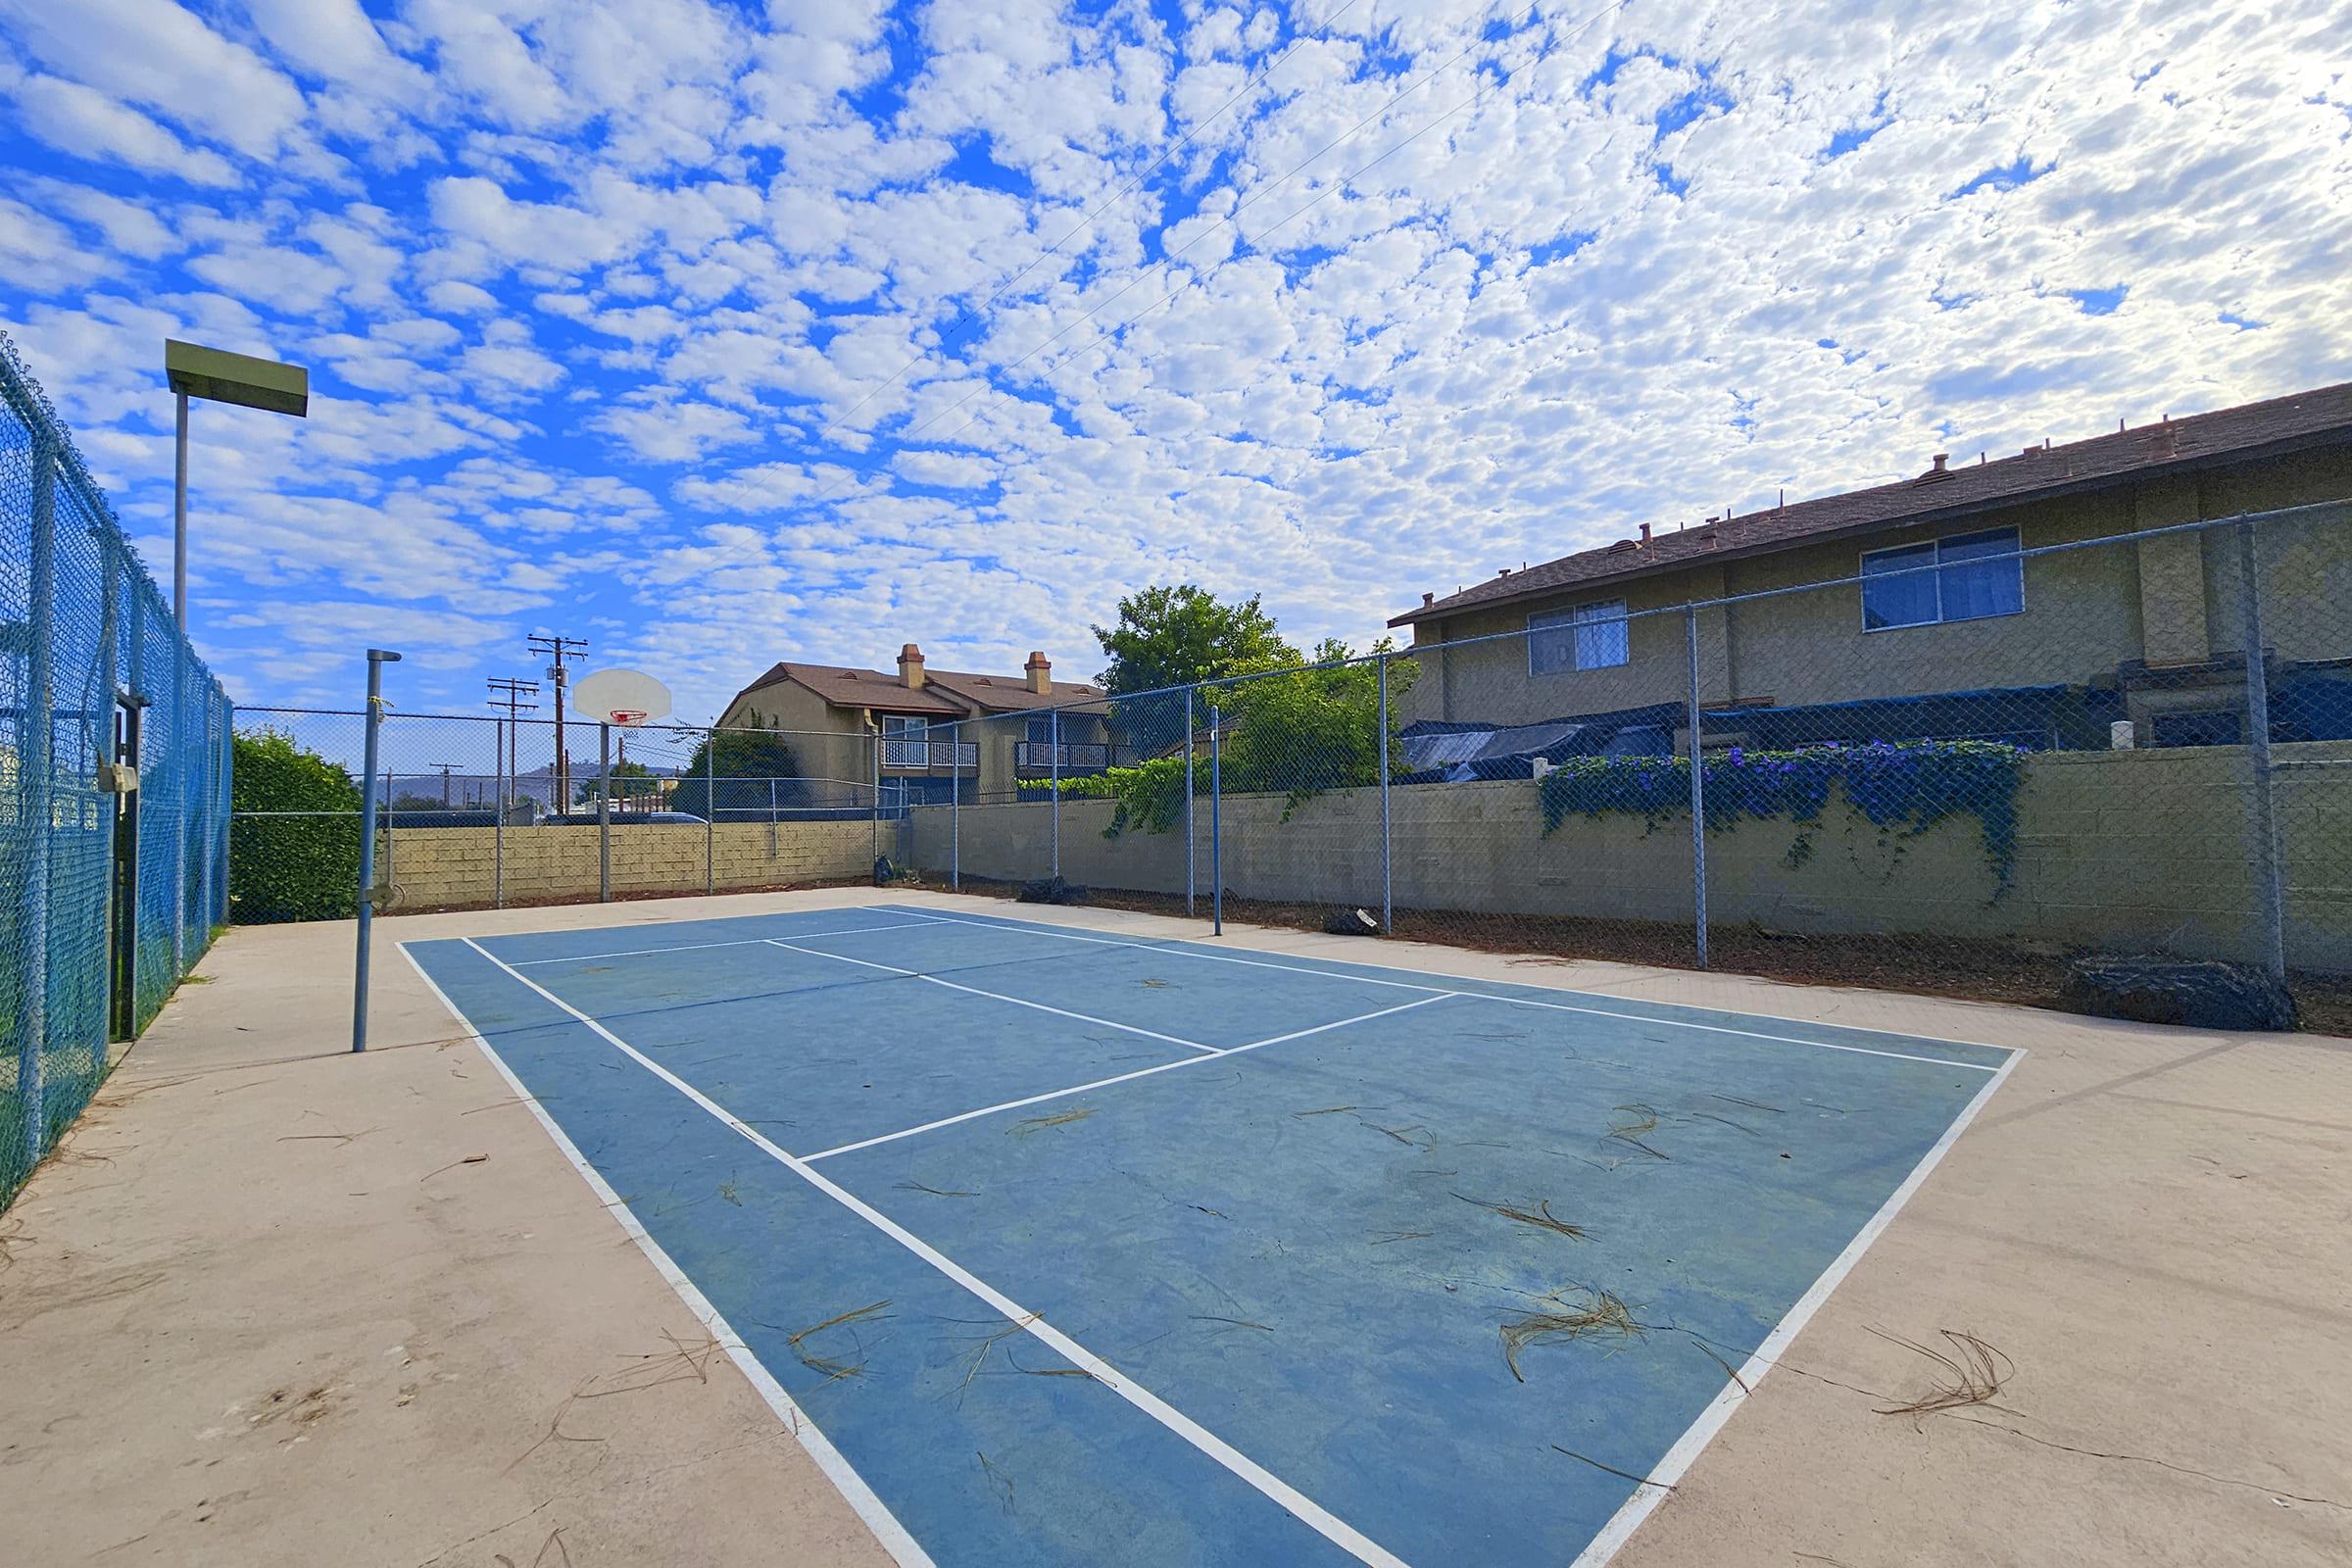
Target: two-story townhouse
(938, 730)
(1945, 623)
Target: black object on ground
(1050, 890)
(1352, 922)
(2198, 994)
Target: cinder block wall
(441, 867)
(2146, 849)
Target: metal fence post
(498, 819)
(1055, 720)
(604, 812)
(874, 774)
(710, 809)
(1387, 873)
(179, 807)
(1698, 796)
(38, 733)
(1188, 800)
(224, 765)
(2270, 882)
(378, 659)
(1216, 838)
(956, 806)
(210, 752)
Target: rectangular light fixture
(223, 377)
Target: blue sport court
(1059, 1246)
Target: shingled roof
(2248, 432)
(943, 694)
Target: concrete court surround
(267, 1307)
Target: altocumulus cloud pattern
(726, 332)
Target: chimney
(1040, 671)
(1429, 599)
(1645, 533)
(1941, 457)
(910, 667)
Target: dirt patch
(1969, 967)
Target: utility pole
(446, 769)
(558, 648)
(509, 693)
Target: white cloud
(86, 123)
(675, 432)
(156, 54)
(739, 333)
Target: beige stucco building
(1942, 599)
(938, 730)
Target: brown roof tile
(2248, 430)
(945, 693)
(1002, 694)
(846, 687)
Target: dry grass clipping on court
(1540, 1216)
(1599, 1313)
(825, 1366)
(1038, 1124)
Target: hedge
(290, 867)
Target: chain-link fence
(484, 812)
(1950, 769)
(113, 741)
(1947, 767)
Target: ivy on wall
(1903, 789)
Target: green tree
(1178, 636)
(747, 763)
(291, 867)
(1304, 731)
(1291, 731)
(622, 773)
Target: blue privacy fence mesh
(110, 883)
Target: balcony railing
(1035, 759)
(931, 757)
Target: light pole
(194, 371)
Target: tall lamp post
(195, 372)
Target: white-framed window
(1969, 581)
(1040, 729)
(1584, 637)
(904, 729)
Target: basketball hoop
(625, 699)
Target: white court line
(698, 946)
(1007, 923)
(998, 995)
(860, 1497)
(1309, 1512)
(1677, 1459)
(1125, 1077)
(1483, 996)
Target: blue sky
(722, 333)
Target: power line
(559, 648)
(509, 693)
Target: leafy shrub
(1292, 732)
(291, 867)
(1150, 795)
(1903, 789)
